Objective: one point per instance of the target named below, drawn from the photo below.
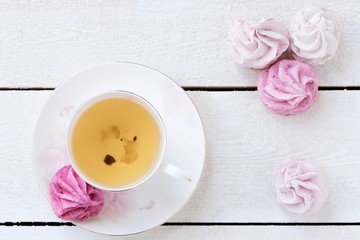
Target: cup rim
(118, 94)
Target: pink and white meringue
(300, 187)
(315, 35)
(258, 43)
(288, 87)
(72, 198)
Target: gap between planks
(197, 88)
(56, 224)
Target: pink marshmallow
(300, 187)
(72, 198)
(288, 87)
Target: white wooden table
(43, 42)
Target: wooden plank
(45, 42)
(190, 232)
(245, 143)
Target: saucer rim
(204, 159)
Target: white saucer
(155, 201)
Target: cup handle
(175, 172)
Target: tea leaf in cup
(109, 160)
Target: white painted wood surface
(186, 232)
(44, 42)
(245, 143)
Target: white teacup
(158, 163)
